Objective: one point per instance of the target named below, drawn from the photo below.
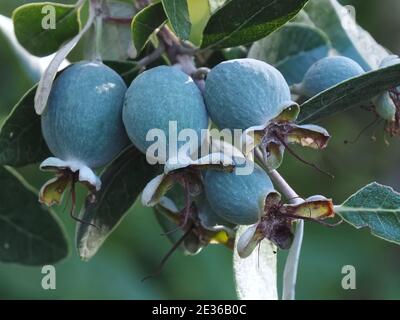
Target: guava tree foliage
(200, 64)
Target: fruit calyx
(187, 173)
(276, 224)
(193, 225)
(67, 173)
(274, 138)
(393, 127)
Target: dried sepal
(311, 136)
(274, 138)
(316, 207)
(187, 172)
(276, 224)
(52, 191)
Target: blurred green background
(136, 247)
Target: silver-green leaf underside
(255, 276)
(376, 207)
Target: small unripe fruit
(83, 119)
(209, 219)
(327, 73)
(239, 199)
(159, 96)
(243, 93)
(384, 105)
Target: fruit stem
(296, 89)
(151, 57)
(97, 6)
(292, 260)
(180, 54)
(118, 20)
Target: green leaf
(7, 6)
(122, 182)
(19, 70)
(347, 37)
(30, 19)
(292, 50)
(376, 207)
(255, 276)
(29, 234)
(243, 21)
(21, 140)
(178, 15)
(145, 23)
(351, 93)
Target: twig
(151, 57)
(118, 20)
(292, 261)
(179, 54)
(98, 23)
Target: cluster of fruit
(91, 116)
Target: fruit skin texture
(328, 72)
(238, 199)
(209, 219)
(160, 95)
(243, 93)
(83, 119)
(385, 106)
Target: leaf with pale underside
(255, 276)
(376, 207)
(347, 37)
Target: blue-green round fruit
(83, 118)
(209, 219)
(239, 199)
(328, 72)
(243, 93)
(385, 107)
(155, 99)
(384, 104)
